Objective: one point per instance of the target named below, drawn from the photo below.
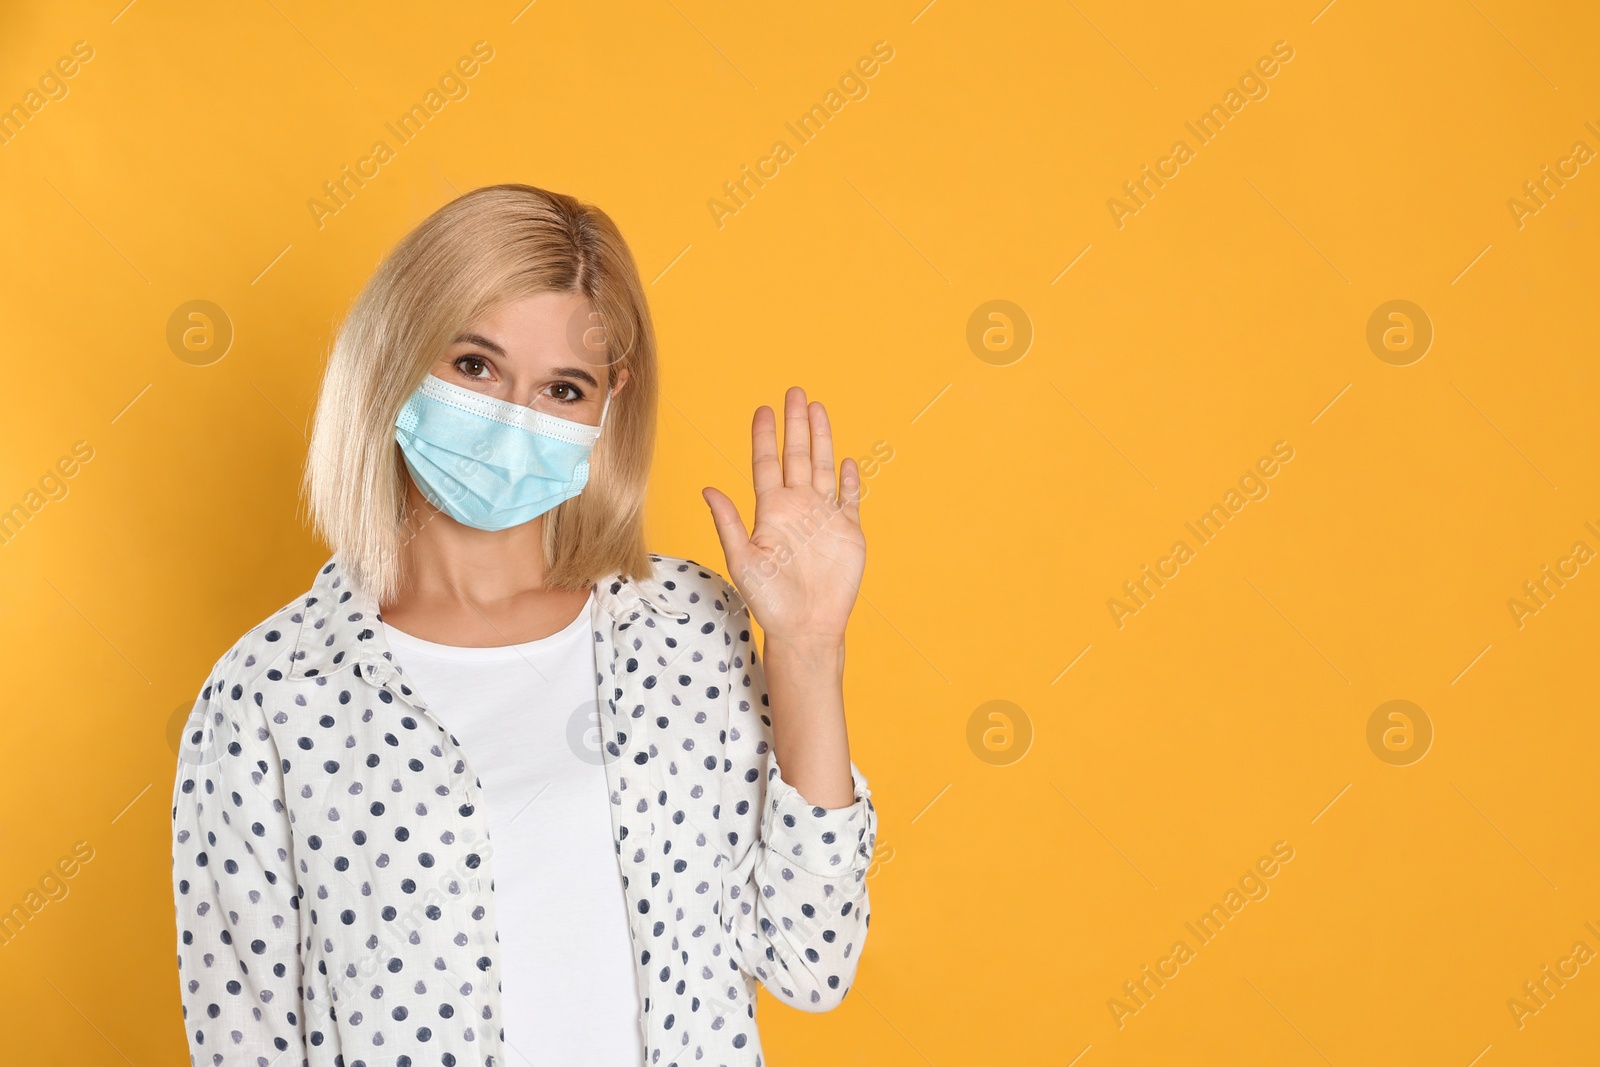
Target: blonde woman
(504, 787)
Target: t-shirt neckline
(400, 641)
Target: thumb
(730, 527)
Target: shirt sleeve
(238, 911)
(795, 900)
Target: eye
(473, 367)
(565, 393)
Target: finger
(796, 438)
(766, 472)
(730, 527)
(823, 479)
(850, 476)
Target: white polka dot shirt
(332, 868)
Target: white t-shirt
(528, 718)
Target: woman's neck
(476, 588)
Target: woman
(503, 787)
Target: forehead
(544, 326)
(540, 313)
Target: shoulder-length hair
(490, 247)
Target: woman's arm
(795, 902)
(799, 569)
(238, 915)
(806, 684)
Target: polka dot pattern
(332, 867)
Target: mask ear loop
(603, 409)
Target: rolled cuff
(830, 842)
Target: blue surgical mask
(488, 463)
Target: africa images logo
(1252, 85)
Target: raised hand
(800, 568)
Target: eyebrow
(479, 340)
(576, 372)
(560, 372)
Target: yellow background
(1011, 902)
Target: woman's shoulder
(693, 587)
(266, 647)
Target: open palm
(800, 568)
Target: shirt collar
(340, 624)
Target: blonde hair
(480, 251)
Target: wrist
(812, 653)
